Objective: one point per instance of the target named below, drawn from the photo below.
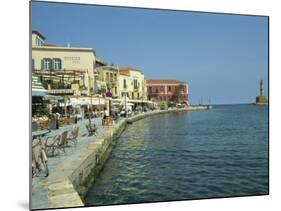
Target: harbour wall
(70, 186)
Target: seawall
(69, 187)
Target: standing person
(75, 118)
(116, 114)
(105, 114)
(57, 116)
(96, 113)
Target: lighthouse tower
(261, 99)
(261, 88)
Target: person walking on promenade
(105, 115)
(57, 116)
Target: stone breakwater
(69, 186)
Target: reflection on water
(178, 156)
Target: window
(107, 76)
(156, 90)
(56, 64)
(169, 88)
(135, 84)
(46, 64)
(150, 89)
(111, 76)
(115, 89)
(39, 42)
(124, 84)
(115, 77)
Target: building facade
(63, 67)
(110, 76)
(167, 91)
(132, 83)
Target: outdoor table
(39, 133)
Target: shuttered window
(56, 64)
(46, 64)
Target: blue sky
(222, 57)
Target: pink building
(164, 91)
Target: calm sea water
(188, 155)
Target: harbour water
(221, 152)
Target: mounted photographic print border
(85, 108)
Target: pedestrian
(105, 114)
(57, 116)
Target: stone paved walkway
(39, 197)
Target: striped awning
(87, 101)
(37, 87)
(38, 93)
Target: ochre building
(63, 67)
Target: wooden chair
(92, 130)
(56, 143)
(73, 136)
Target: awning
(132, 101)
(38, 93)
(54, 99)
(37, 87)
(87, 101)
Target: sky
(221, 56)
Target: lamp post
(126, 110)
(65, 108)
(95, 81)
(90, 93)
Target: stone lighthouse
(261, 99)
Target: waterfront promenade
(72, 172)
(40, 183)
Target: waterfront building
(110, 76)
(132, 84)
(100, 84)
(261, 99)
(63, 69)
(167, 91)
